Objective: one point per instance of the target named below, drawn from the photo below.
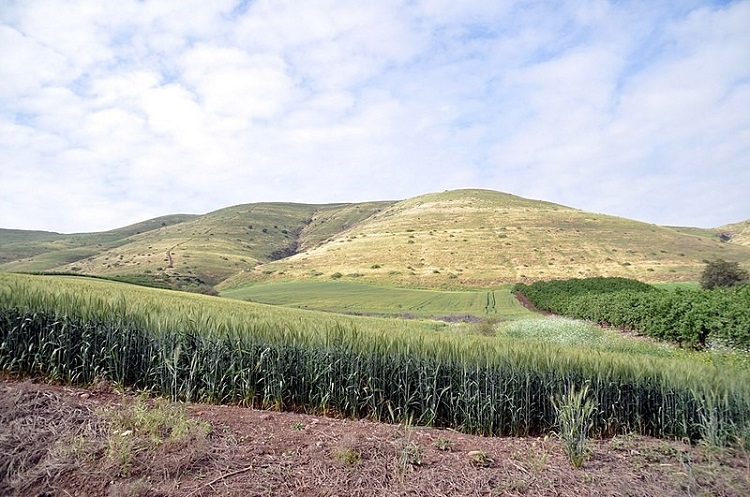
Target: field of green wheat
(195, 347)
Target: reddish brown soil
(252, 452)
(524, 300)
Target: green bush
(721, 273)
(691, 318)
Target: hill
(179, 251)
(737, 232)
(455, 239)
(481, 238)
(21, 246)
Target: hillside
(24, 247)
(185, 251)
(456, 239)
(738, 232)
(480, 238)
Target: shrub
(487, 326)
(689, 317)
(346, 456)
(720, 273)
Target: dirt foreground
(63, 441)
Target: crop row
(690, 317)
(477, 384)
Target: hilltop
(453, 239)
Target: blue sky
(113, 112)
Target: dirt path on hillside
(55, 441)
(170, 259)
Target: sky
(117, 111)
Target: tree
(720, 273)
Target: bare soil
(52, 441)
(527, 303)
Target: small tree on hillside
(722, 273)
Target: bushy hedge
(693, 318)
(551, 296)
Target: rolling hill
(454, 239)
(737, 232)
(184, 251)
(480, 238)
(21, 246)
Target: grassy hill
(456, 239)
(42, 250)
(185, 250)
(481, 238)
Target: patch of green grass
(582, 335)
(144, 427)
(182, 345)
(159, 303)
(349, 297)
(346, 456)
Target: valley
(385, 334)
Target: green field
(194, 347)
(153, 305)
(359, 298)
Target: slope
(456, 239)
(481, 238)
(199, 250)
(737, 232)
(22, 248)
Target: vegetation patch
(47, 437)
(690, 317)
(351, 297)
(179, 347)
(574, 422)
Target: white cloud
(231, 82)
(28, 66)
(114, 112)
